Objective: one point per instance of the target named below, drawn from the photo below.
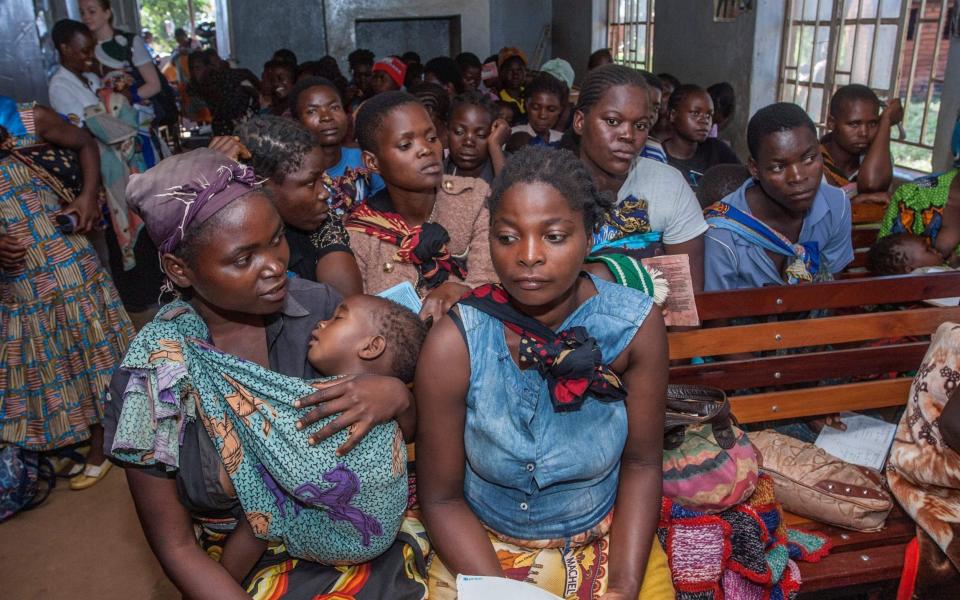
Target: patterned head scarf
(185, 189)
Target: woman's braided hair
(597, 83)
(277, 145)
(560, 169)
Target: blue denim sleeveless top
(533, 473)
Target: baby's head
(901, 253)
(368, 334)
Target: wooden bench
(866, 220)
(870, 353)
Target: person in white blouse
(74, 86)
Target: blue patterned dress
(63, 329)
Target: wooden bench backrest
(840, 347)
(866, 224)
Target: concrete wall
(21, 59)
(342, 15)
(520, 24)
(259, 28)
(427, 37)
(571, 40)
(949, 107)
(690, 46)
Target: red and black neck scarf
(423, 246)
(570, 361)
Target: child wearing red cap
(388, 75)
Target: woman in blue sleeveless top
(539, 450)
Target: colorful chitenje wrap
(571, 361)
(324, 508)
(423, 246)
(917, 206)
(743, 552)
(806, 264)
(626, 227)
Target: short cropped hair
(781, 116)
(403, 332)
(304, 85)
(65, 29)
(719, 181)
(547, 83)
(446, 70)
(851, 93)
(478, 99)
(887, 256)
(374, 111)
(360, 56)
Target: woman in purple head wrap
(223, 249)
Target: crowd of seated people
(508, 200)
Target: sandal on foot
(90, 476)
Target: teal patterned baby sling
(324, 508)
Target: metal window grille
(896, 47)
(630, 32)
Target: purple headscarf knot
(186, 189)
(203, 198)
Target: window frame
(625, 26)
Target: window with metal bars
(897, 47)
(630, 32)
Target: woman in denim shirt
(557, 382)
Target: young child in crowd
(388, 75)
(290, 158)
(424, 228)
(784, 226)
(444, 72)
(719, 182)
(544, 101)
(512, 75)
(929, 207)
(507, 111)
(653, 149)
(902, 253)
(690, 150)
(470, 69)
(662, 131)
(361, 69)
(724, 106)
(599, 58)
(856, 149)
(277, 81)
(317, 104)
(435, 98)
(475, 137)
(507, 444)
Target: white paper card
(866, 441)
(403, 294)
(474, 587)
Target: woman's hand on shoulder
(441, 299)
(363, 402)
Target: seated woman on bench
(783, 226)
